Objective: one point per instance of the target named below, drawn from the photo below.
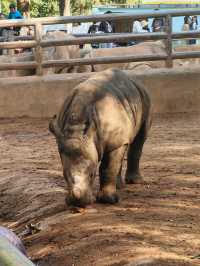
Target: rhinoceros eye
(87, 125)
(72, 119)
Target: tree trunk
(24, 7)
(64, 7)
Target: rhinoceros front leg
(108, 172)
(133, 175)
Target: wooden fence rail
(38, 43)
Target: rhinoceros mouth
(77, 198)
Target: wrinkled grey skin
(102, 118)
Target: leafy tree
(64, 7)
(43, 8)
(5, 6)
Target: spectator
(137, 27)
(14, 14)
(194, 23)
(193, 27)
(24, 6)
(187, 22)
(186, 27)
(158, 24)
(145, 25)
(93, 29)
(105, 27)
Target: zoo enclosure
(38, 43)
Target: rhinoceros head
(79, 156)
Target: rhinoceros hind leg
(109, 169)
(133, 175)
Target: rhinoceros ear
(53, 127)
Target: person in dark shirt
(107, 26)
(93, 28)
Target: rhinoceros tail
(147, 105)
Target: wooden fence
(38, 43)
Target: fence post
(168, 43)
(38, 49)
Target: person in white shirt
(137, 28)
(193, 27)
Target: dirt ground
(156, 223)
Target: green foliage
(44, 8)
(38, 8)
(80, 7)
(5, 6)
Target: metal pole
(38, 49)
(169, 61)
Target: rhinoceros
(145, 48)
(102, 118)
(60, 52)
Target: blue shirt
(15, 15)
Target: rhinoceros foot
(107, 199)
(134, 179)
(79, 200)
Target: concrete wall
(171, 91)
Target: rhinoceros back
(112, 83)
